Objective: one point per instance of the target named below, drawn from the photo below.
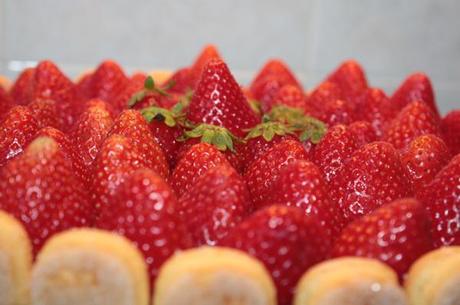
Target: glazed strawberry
(145, 210)
(424, 158)
(107, 83)
(218, 100)
(363, 131)
(6, 102)
(443, 204)
(265, 170)
(66, 145)
(286, 240)
(131, 123)
(22, 89)
(376, 108)
(46, 196)
(118, 157)
(90, 130)
(450, 126)
(16, 130)
(351, 79)
(217, 202)
(50, 83)
(334, 150)
(208, 53)
(371, 177)
(195, 162)
(416, 87)
(289, 95)
(272, 77)
(45, 113)
(414, 120)
(261, 138)
(301, 184)
(397, 234)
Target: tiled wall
(390, 38)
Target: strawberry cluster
(292, 177)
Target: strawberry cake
(185, 187)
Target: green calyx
(150, 86)
(183, 103)
(220, 137)
(255, 106)
(268, 130)
(307, 127)
(160, 114)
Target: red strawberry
(207, 54)
(286, 240)
(233, 157)
(264, 171)
(272, 77)
(325, 93)
(216, 203)
(90, 130)
(276, 67)
(376, 108)
(218, 100)
(441, 199)
(261, 138)
(451, 130)
(363, 131)
(22, 89)
(118, 157)
(45, 196)
(83, 85)
(416, 87)
(301, 184)
(351, 79)
(45, 113)
(16, 130)
(372, 177)
(50, 83)
(337, 112)
(166, 136)
(134, 85)
(107, 83)
(181, 81)
(288, 95)
(144, 209)
(414, 120)
(195, 162)
(334, 149)
(397, 234)
(424, 158)
(132, 124)
(6, 102)
(67, 146)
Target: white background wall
(391, 38)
